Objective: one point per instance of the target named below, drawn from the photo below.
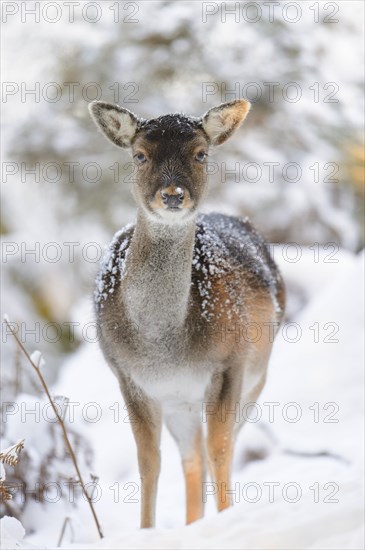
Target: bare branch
(61, 423)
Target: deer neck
(157, 280)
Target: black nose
(173, 199)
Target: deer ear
(118, 124)
(220, 122)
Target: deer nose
(172, 198)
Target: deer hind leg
(221, 423)
(146, 419)
(187, 432)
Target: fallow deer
(188, 303)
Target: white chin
(172, 216)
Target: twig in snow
(10, 455)
(36, 367)
(65, 523)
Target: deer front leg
(220, 438)
(149, 469)
(185, 428)
(145, 417)
(194, 472)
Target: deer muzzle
(172, 197)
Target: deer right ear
(118, 124)
(220, 122)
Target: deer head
(170, 152)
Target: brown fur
(194, 472)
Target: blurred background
(170, 60)
(296, 168)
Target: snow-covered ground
(170, 54)
(298, 469)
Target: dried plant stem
(66, 521)
(18, 371)
(10, 455)
(63, 428)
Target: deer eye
(201, 156)
(140, 158)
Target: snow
(12, 533)
(220, 244)
(320, 455)
(37, 359)
(112, 265)
(168, 62)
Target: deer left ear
(118, 124)
(220, 122)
